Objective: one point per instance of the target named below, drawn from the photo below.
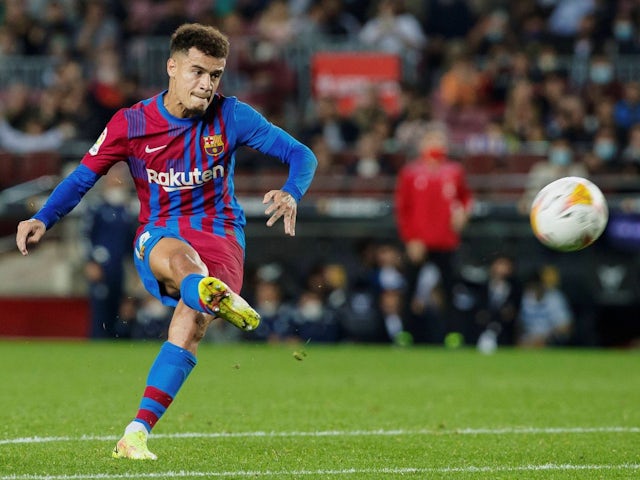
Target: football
(569, 214)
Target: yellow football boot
(133, 445)
(219, 300)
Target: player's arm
(63, 199)
(256, 132)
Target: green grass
(353, 412)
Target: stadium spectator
(460, 85)
(545, 317)
(499, 301)
(432, 206)
(569, 120)
(105, 92)
(97, 29)
(338, 131)
(392, 308)
(491, 30)
(394, 30)
(560, 162)
(276, 27)
(426, 315)
(332, 19)
(368, 161)
(34, 139)
(601, 83)
(631, 152)
(602, 116)
(413, 116)
(109, 230)
(547, 61)
(148, 318)
(585, 42)
(501, 71)
(276, 324)
(605, 148)
(627, 110)
(361, 318)
(25, 29)
(521, 111)
(184, 238)
(327, 162)
(492, 141)
(567, 15)
(58, 30)
(313, 321)
(625, 34)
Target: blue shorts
(223, 256)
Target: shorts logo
(213, 144)
(96, 146)
(141, 247)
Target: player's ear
(171, 67)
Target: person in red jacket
(433, 205)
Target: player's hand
(282, 205)
(29, 232)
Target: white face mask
(268, 309)
(116, 196)
(368, 168)
(311, 311)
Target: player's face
(193, 80)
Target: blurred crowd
(556, 79)
(374, 300)
(505, 76)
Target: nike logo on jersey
(171, 181)
(148, 149)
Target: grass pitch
(325, 412)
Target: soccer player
(189, 249)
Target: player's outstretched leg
(133, 445)
(168, 373)
(216, 298)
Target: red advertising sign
(350, 76)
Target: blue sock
(169, 371)
(189, 292)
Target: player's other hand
(282, 205)
(29, 232)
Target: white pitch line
(325, 473)
(339, 433)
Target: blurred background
(526, 92)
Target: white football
(569, 214)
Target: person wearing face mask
(602, 82)
(624, 34)
(432, 204)
(313, 321)
(560, 162)
(605, 147)
(109, 230)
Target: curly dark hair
(209, 40)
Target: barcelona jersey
(183, 167)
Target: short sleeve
(111, 147)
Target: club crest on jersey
(213, 144)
